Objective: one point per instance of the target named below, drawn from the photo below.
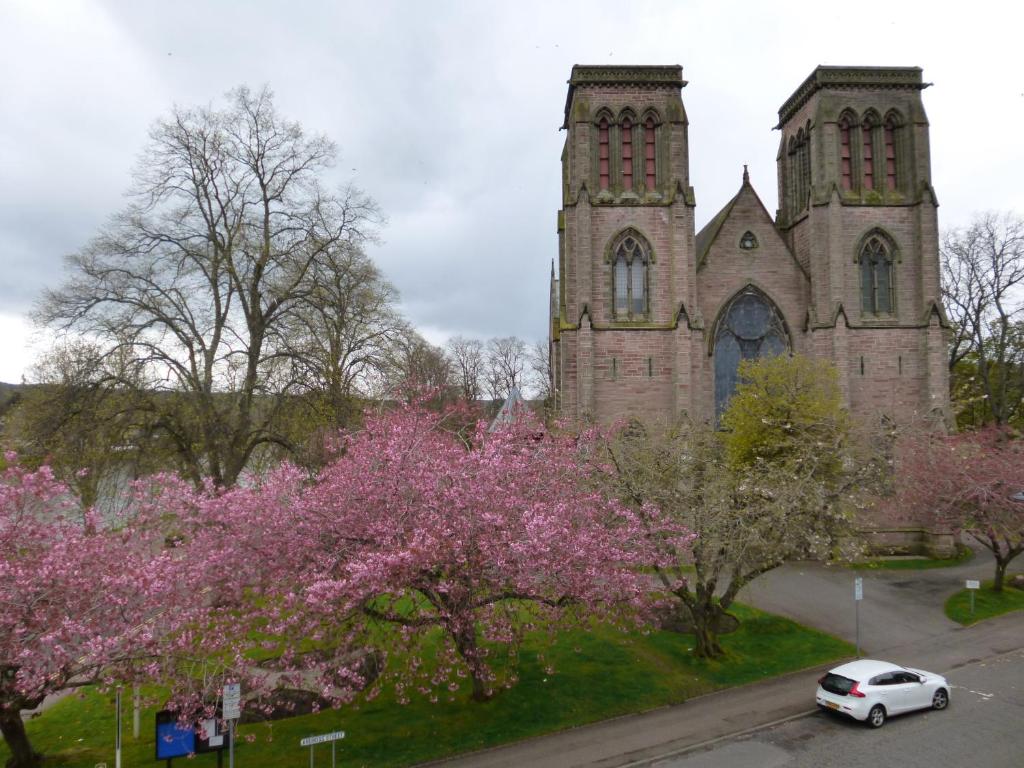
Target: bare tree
(69, 418)
(983, 291)
(416, 365)
(343, 331)
(467, 360)
(505, 363)
(227, 235)
(540, 370)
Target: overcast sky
(447, 113)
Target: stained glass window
(751, 327)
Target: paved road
(981, 727)
(900, 608)
(902, 622)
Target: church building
(650, 318)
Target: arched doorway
(750, 326)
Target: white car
(872, 691)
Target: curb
(647, 761)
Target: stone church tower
(649, 318)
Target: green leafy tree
(780, 482)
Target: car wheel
(941, 699)
(876, 717)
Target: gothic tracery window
(876, 277)
(750, 327)
(629, 278)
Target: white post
(137, 703)
(117, 738)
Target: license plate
(831, 705)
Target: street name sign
(323, 738)
(232, 708)
(972, 584)
(858, 588)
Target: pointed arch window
(629, 278)
(602, 152)
(627, 154)
(868, 154)
(649, 155)
(876, 283)
(889, 139)
(845, 162)
(750, 327)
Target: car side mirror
(922, 680)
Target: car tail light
(855, 692)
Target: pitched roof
(709, 232)
(511, 409)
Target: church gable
(742, 247)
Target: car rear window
(837, 684)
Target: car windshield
(837, 684)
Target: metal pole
(332, 754)
(856, 604)
(231, 744)
(972, 602)
(310, 756)
(117, 738)
(137, 703)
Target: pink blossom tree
(970, 481)
(413, 529)
(79, 599)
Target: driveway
(900, 608)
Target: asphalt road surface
(984, 726)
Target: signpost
(323, 738)
(232, 710)
(117, 738)
(973, 585)
(858, 595)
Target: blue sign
(172, 740)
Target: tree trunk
(997, 583)
(703, 613)
(466, 645)
(13, 729)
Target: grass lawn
(914, 563)
(598, 674)
(986, 603)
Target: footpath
(901, 620)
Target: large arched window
(750, 326)
(876, 288)
(630, 259)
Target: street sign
(972, 584)
(323, 738)
(232, 707)
(858, 588)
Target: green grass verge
(598, 674)
(986, 603)
(964, 555)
